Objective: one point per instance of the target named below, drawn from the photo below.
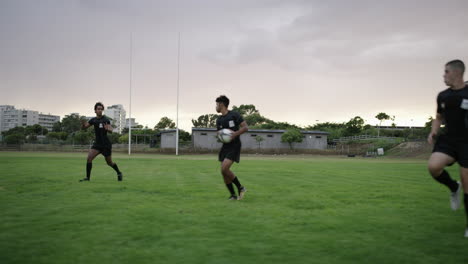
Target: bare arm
(109, 128)
(435, 128)
(243, 128)
(85, 125)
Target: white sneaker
(455, 198)
(466, 233)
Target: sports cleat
(84, 179)
(455, 198)
(242, 192)
(466, 233)
(119, 176)
(233, 197)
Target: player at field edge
(451, 143)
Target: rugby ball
(224, 135)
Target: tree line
(68, 130)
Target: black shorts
(456, 149)
(106, 151)
(230, 152)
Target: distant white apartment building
(131, 121)
(48, 120)
(117, 114)
(10, 117)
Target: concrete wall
(168, 139)
(273, 141)
(206, 139)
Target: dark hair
(223, 99)
(457, 64)
(98, 104)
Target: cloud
(306, 56)
(344, 34)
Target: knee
(434, 169)
(89, 160)
(224, 170)
(110, 163)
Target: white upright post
(177, 117)
(130, 97)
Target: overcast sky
(298, 61)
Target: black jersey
(231, 120)
(453, 106)
(101, 133)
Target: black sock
(237, 183)
(116, 168)
(89, 166)
(231, 189)
(445, 179)
(466, 208)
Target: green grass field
(170, 209)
